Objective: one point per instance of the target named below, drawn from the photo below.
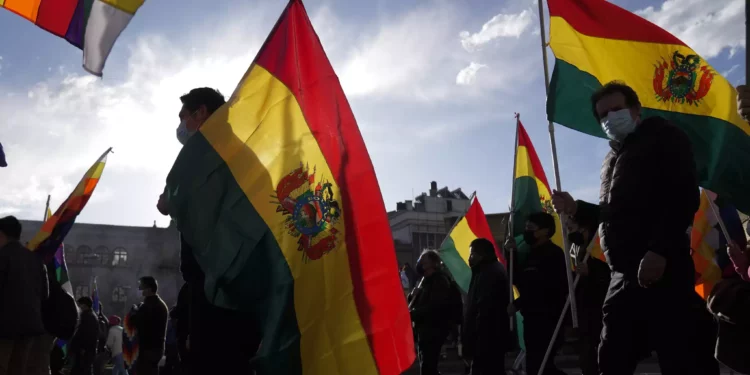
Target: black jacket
(151, 323)
(486, 328)
(87, 335)
(430, 306)
(23, 288)
(648, 198)
(542, 283)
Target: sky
(434, 85)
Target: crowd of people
(643, 302)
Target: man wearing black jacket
(83, 344)
(649, 195)
(151, 322)
(543, 287)
(486, 332)
(429, 306)
(23, 289)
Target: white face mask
(618, 124)
(183, 134)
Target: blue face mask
(618, 124)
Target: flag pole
(717, 215)
(558, 185)
(511, 228)
(46, 208)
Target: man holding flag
(649, 195)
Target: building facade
(117, 256)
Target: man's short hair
(149, 282)
(86, 301)
(207, 96)
(544, 221)
(483, 246)
(432, 255)
(631, 98)
(11, 227)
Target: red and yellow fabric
(531, 189)
(279, 201)
(455, 249)
(596, 42)
(50, 237)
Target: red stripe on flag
(536, 165)
(602, 19)
(294, 55)
(477, 221)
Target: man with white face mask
(209, 350)
(648, 197)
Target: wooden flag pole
(717, 215)
(558, 185)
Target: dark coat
(648, 197)
(430, 306)
(542, 283)
(486, 330)
(87, 335)
(151, 323)
(23, 288)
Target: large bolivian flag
(455, 249)
(596, 42)
(50, 237)
(278, 198)
(531, 192)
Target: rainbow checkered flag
(130, 339)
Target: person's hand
(582, 269)
(512, 309)
(651, 269)
(736, 254)
(162, 205)
(743, 102)
(564, 203)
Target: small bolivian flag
(278, 198)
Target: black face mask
(529, 238)
(576, 238)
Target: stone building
(117, 256)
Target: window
(119, 257)
(84, 255)
(82, 291)
(119, 294)
(70, 254)
(449, 206)
(103, 253)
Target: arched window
(84, 255)
(119, 257)
(103, 253)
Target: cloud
(718, 25)
(730, 70)
(468, 74)
(500, 26)
(399, 74)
